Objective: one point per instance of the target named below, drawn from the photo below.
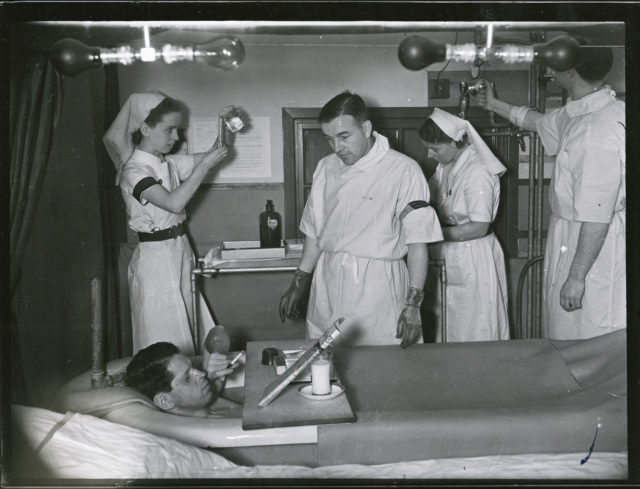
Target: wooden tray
(247, 250)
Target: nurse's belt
(455, 128)
(117, 139)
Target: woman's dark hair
(148, 371)
(345, 103)
(430, 132)
(167, 106)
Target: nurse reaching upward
(156, 188)
(367, 210)
(466, 191)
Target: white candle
(320, 381)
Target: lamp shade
(221, 52)
(417, 52)
(72, 57)
(561, 53)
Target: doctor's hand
(409, 325)
(292, 303)
(571, 294)
(486, 95)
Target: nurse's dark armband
(143, 185)
(413, 205)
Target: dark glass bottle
(270, 227)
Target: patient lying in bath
(181, 385)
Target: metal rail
(521, 278)
(203, 271)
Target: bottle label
(272, 224)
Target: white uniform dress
(587, 185)
(476, 291)
(353, 212)
(159, 271)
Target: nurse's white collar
(144, 157)
(591, 102)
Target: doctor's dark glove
(410, 323)
(293, 301)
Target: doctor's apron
(353, 212)
(159, 271)
(587, 185)
(476, 289)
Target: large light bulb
(417, 52)
(72, 57)
(561, 53)
(221, 52)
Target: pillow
(78, 446)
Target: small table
(289, 408)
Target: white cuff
(517, 114)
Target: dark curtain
(38, 102)
(112, 220)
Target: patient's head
(166, 376)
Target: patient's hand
(216, 366)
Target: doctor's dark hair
(167, 106)
(345, 103)
(431, 133)
(594, 63)
(148, 371)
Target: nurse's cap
(455, 127)
(117, 139)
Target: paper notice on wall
(250, 155)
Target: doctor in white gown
(585, 256)
(367, 210)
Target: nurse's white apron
(160, 292)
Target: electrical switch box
(439, 88)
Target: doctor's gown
(353, 212)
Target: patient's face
(190, 387)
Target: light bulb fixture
(71, 57)
(417, 52)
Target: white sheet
(78, 446)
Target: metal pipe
(195, 328)
(523, 275)
(216, 271)
(530, 209)
(443, 301)
(97, 335)
(539, 213)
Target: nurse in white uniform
(367, 210)
(466, 192)
(156, 187)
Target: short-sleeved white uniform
(587, 185)
(159, 271)
(353, 212)
(476, 291)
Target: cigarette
(235, 359)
